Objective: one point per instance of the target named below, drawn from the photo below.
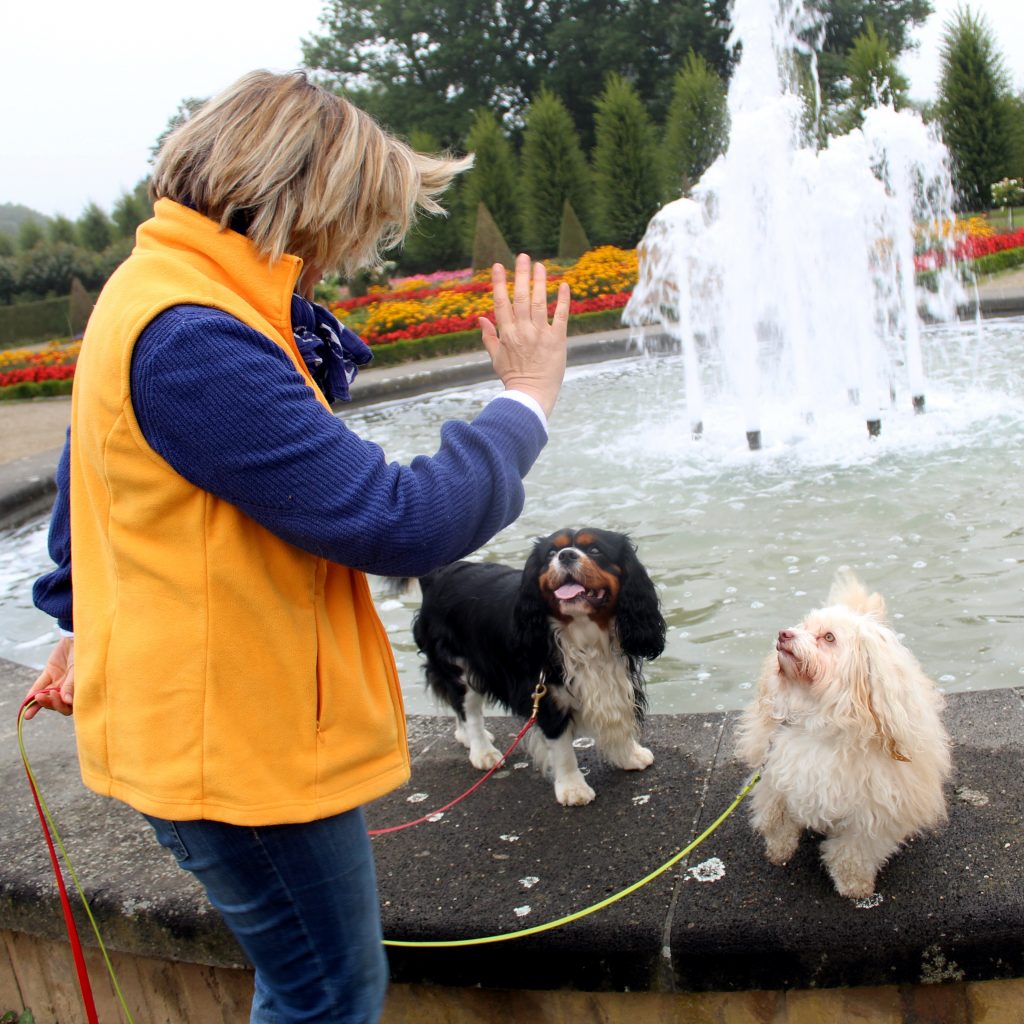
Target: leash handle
(69, 920)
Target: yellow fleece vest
(221, 672)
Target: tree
(131, 209)
(8, 278)
(402, 60)
(572, 239)
(186, 108)
(1015, 116)
(30, 234)
(697, 126)
(846, 20)
(626, 168)
(61, 229)
(553, 169)
(874, 79)
(95, 230)
(973, 107)
(489, 245)
(50, 267)
(80, 305)
(493, 179)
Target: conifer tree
(79, 306)
(626, 164)
(572, 238)
(493, 179)
(974, 107)
(61, 229)
(553, 169)
(95, 230)
(489, 245)
(874, 78)
(697, 125)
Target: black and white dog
(582, 616)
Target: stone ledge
(952, 907)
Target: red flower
(34, 374)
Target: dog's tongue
(567, 591)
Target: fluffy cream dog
(847, 733)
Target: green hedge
(35, 389)
(393, 353)
(27, 322)
(994, 263)
(1009, 259)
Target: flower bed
(28, 372)
(416, 308)
(969, 246)
(438, 314)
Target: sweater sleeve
(51, 592)
(229, 412)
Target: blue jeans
(302, 902)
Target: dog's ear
(848, 590)
(530, 620)
(638, 618)
(887, 686)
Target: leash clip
(539, 693)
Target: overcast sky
(87, 87)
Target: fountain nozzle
(874, 428)
(754, 440)
(919, 404)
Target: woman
(228, 673)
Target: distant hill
(13, 215)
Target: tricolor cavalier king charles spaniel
(848, 734)
(581, 617)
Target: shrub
(572, 238)
(489, 245)
(627, 185)
(553, 169)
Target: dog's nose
(568, 555)
(785, 635)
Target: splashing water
(789, 272)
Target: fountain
(789, 272)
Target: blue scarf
(332, 352)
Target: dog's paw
(573, 792)
(780, 849)
(484, 757)
(638, 759)
(859, 889)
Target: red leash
(69, 919)
(538, 693)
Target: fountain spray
(788, 272)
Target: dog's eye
(830, 638)
(594, 549)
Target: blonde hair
(306, 172)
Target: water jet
(789, 269)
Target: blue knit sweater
(229, 412)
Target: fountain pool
(742, 543)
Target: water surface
(740, 543)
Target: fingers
(521, 288)
(561, 316)
(539, 305)
(502, 307)
(50, 701)
(490, 336)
